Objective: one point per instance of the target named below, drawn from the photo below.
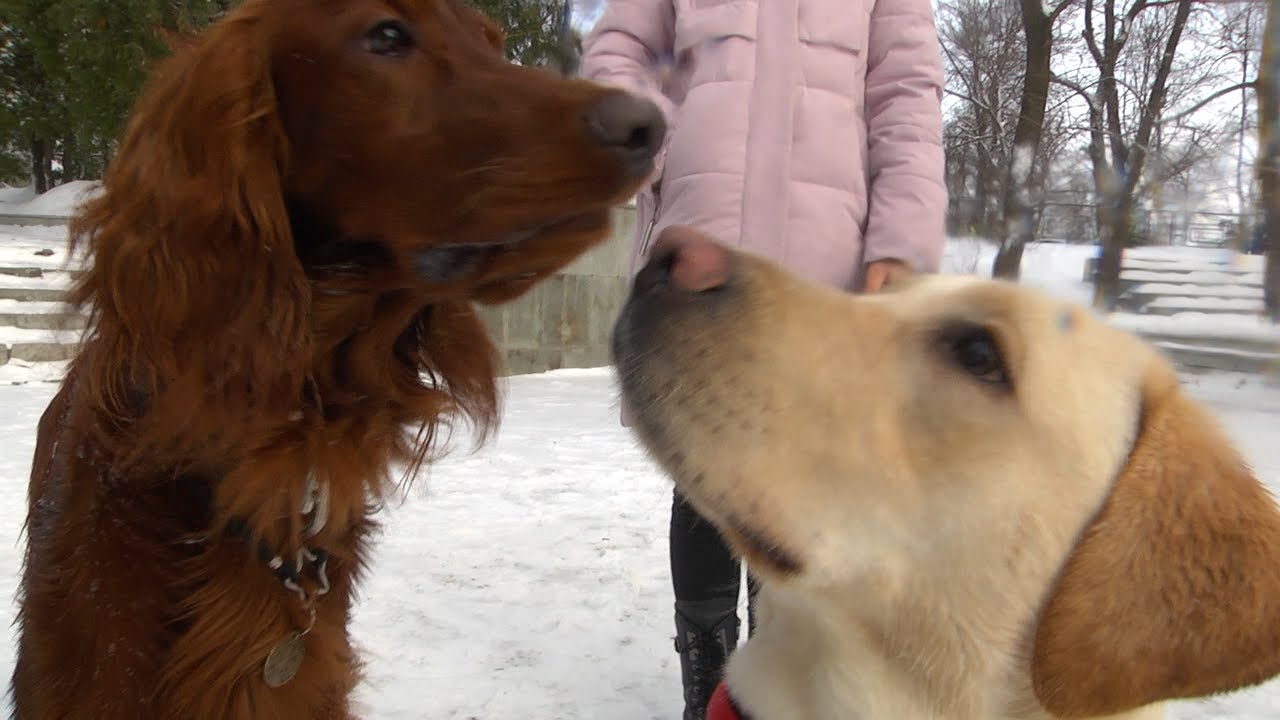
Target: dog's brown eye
(974, 350)
(390, 38)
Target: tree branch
(1089, 37)
(1248, 85)
(1075, 87)
(1059, 9)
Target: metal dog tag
(284, 660)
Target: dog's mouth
(482, 262)
(446, 263)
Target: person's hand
(880, 273)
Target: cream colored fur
(930, 513)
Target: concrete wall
(566, 320)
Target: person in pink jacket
(806, 131)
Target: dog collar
(722, 706)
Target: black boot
(706, 632)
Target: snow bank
(14, 195)
(1056, 268)
(60, 201)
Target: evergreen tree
(13, 160)
(538, 31)
(71, 70)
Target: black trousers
(702, 566)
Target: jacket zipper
(648, 231)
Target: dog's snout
(691, 261)
(689, 279)
(630, 126)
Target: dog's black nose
(630, 126)
(686, 261)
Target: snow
(1191, 290)
(48, 281)
(1242, 305)
(33, 308)
(21, 372)
(530, 579)
(15, 195)
(1182, 253)
(13, 336)
(1192, 324)
(1243, 263)
(61, 201)
(1197, 277)
(1057, 268)
(1217, 351)
(42, 246)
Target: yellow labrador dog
(967, 500)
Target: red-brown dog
(306, 203)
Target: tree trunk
(1269, 165)
(1115, 221)
(41, 165)
(1015, 230)
(67, 157)
(1129, 160)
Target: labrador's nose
(686, 260)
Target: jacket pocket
(705, 22)
(842, 26)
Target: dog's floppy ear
(1173, 589)
(195, 284)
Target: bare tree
(981, 45)
(1240, 31)
(1002, 133)
(1118, 150)
(1016, 228)
(1269, 157)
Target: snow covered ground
(529, 579)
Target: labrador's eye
(975, 351)
(389, 38)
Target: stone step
(1235, 264)
(1182, 271)
(33, 294)
(33, 271)
(1173, 305)
(42, 351)
(1193, 290)
(1194, 357)
(1233, 343)
(37, 344)
(1192, 277)
(24, 220)
(43, 321)
(1230, 344)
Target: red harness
(721, 706)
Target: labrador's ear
(1173, 589)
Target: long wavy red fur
(256, 316)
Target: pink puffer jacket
(808, 131)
